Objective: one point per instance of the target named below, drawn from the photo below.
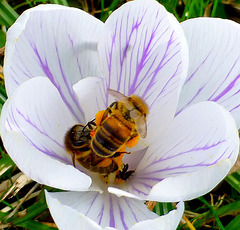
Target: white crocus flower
(58, 66)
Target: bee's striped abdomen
(110, 136)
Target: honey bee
(100, 145)
(122, 123)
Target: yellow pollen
(98, 117)
(133, 141)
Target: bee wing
(141, 126)
(120, 97)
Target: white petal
(214, 68)
(199, 137)
(34, 121)
(119, 192)
(169, 221)
(43, 168)
(68, 218)
(190, 185)
(105, 209)
(53, 41)
(37, 112)
(91, 96)
(144, 52)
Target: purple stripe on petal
(130, 208)
(193, 98)
(228, 88)
(39, 130)
(147, 186)
(100, 215)
(76, 54)
(155, 179)
(42, 149)
(45, 68)
(111, 213)
(122, 217)
(90, 206)
(195, 149)
(164, 88)
(138, 191)
(168, 169)
(199, 67)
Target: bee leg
(125, 168)
(117, 154)
(127, 174)
(103, 114)
(109, 110)
(91, 123)
(124, 174)
(113, 104)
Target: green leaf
(234, 224)
(7, 14)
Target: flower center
(100, 145)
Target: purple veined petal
(37, 112)
(92, 210)
(91, 96)
(33, 124)
(169, 221)
(190, 185)
(144, 52)
(201, 136)
(41, 167)
(53, 41)
(66, 217)
(214, 68)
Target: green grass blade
(6, 164)
(3, 94)
(229, 209)
(59, 2)
(33, 225)
(7, 14)
(2, 38)
(163, 208)
(112, 7)
(234, 180)
(234, 224)
(213, 212)
(32, 212)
